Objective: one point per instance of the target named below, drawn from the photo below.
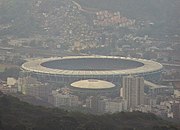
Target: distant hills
(17, 115)
(146, 9)
(17, 16)
(24, 17)
(165, 13)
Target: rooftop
(92, 84)
(36, 66)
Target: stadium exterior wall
(151, 74)
(116, 79)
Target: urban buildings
(103, 104)
(116, 105)
(32, 87)
(176, 109)
(59, 99)
(133, 90)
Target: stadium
(75, 68)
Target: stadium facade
(74, 68)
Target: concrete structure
(41, 91)
(11, 81)
(155, 89)
(93, 87)
(103, 104)
(74, 68)
(176, 109)
(96, 103)
(150, 100)
(8, 89)
(61, 99)
(23, 82)
(32, 87)
(143, 108)
(115, 105)
(133, 90)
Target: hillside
(17, 115)
(31, 17)
(164, 13)
(146, 9)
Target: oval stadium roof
(36, 66)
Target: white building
(24, 82)
(103, 104)
(144, 108)
(8, 89)
(116, 105)
(155, 89)
(96, 103)
(39, 90)
(32, 87)
(11, 81)
(149, 100)
(133, 90)
(60, 99)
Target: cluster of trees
(17, 115)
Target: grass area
(4, 66)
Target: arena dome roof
(92, 84)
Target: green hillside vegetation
(17, 115)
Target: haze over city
(89, 64)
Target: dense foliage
(17, 115)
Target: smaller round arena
(92, 87)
